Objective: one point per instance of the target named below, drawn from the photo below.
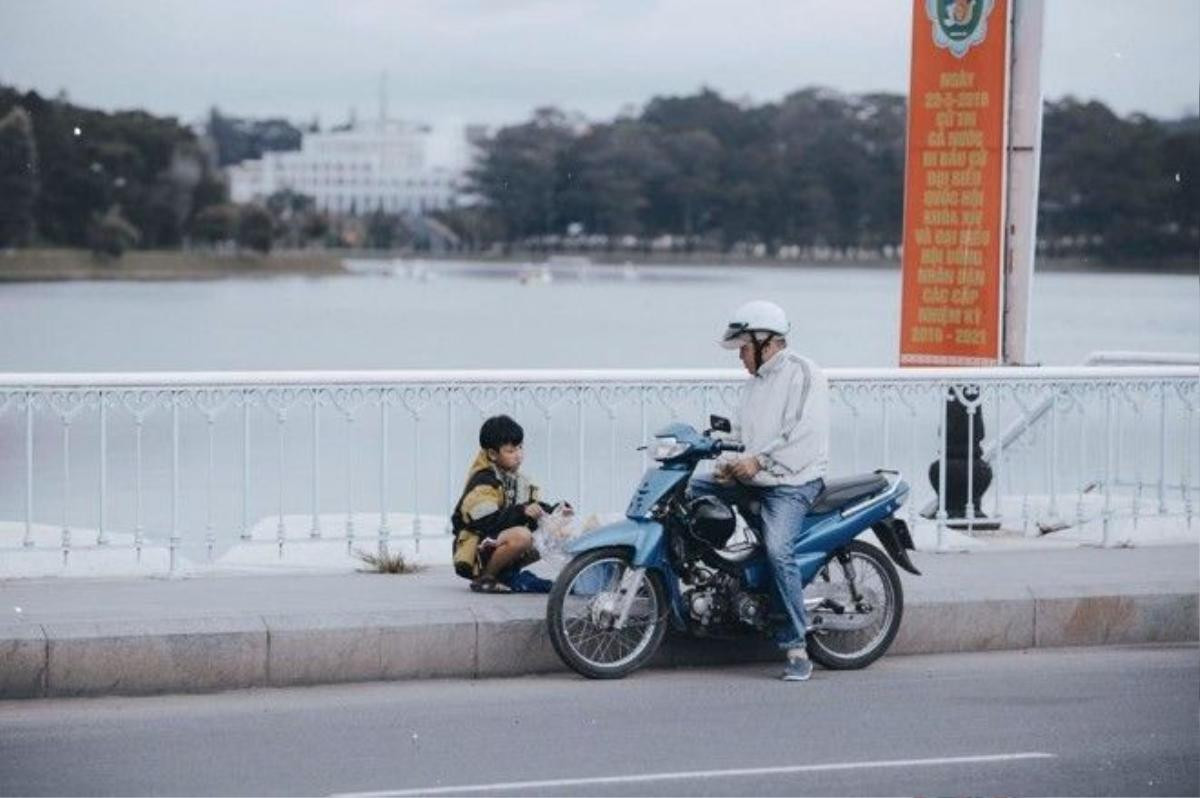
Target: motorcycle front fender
(646, 539)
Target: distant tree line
(818, 169)
(73, 176)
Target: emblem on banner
(958, 24)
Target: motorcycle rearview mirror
(719, 424)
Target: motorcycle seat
(839, 493)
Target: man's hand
(723, 472)
(534, 510)
(744, 468)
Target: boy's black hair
(498, 431)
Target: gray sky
(451, 61)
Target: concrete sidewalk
(139, 636)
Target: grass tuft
(387, 563)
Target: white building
(373, 166)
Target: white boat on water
(379, 268)
(571, 261)
(396, 267)
(531, 273)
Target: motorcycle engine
(751, 609)
(707, 604)
(717, 599)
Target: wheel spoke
(601, 654)
(597, 586)
(875, 588)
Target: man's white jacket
(784, 420)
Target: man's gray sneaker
(799, 668)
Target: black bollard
(963, 451)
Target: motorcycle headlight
(666, 448)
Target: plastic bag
(554, 530)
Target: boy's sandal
(488, 584)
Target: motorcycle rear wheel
(581, 623)
(876, 578)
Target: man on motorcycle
(783, 422)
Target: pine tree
(18, 178)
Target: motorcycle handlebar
(724, 446)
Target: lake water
(464, 315)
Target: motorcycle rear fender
(896, 541)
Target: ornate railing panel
(194, 461)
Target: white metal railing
(191, 461)
(1027, 420)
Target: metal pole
(1162, 449)
(1106, 539)
(997, 485)
(612, 459)
(549, 449)
(416, 527)
(941, 512)
(1083, 463)
(101, 536)
(246, 466)
(349, 481)
(384, 531)
(1025, 476)
(28, 541)
(174, 539)
(138, 532)
(450, 502)
(210, 538)
(579, 485)
(886, 455)
(1187, 465)
(280, 528)
(1052, 454)
(912, 451)
(66, 528)
(854, 436)
(645, 451)
(1024, 156)
(1138, 458)
(971, 464)
(315, 532)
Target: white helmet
(757, 316)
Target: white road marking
(705, 774)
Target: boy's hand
(534, 510)
(723, 472)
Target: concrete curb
(82, 658)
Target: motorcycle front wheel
(848, 632)
(583, 615)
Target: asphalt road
(1114, 721)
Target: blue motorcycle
(678, 561)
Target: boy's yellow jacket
(492, 501)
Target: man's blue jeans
(781, 514)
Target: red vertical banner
(951, 303)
